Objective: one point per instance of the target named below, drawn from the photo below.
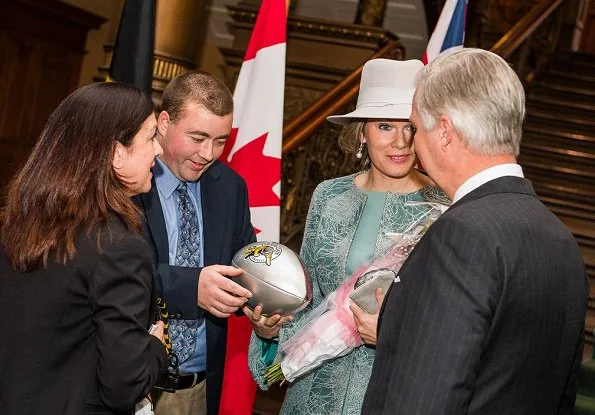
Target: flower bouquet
(329, 331)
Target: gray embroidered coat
(338, 386)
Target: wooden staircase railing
(530, 43)
(525, 28)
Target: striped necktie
(183, 332)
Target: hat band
(381, 96)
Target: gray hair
(482, 96)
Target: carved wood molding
(42, 44)
(320, 27)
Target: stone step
(591, 303)
(588, 254)
(581, 117)
(553, 86)
(584, 232)
(580, 60)
(562, 206)
(558, 156)
(590, 320)
(583, 112)
(574, 65)
(560, 188)
(586, 245)
(579, 80)
(545, 168)
(587, 350)
(579, 57)
(561, 122)
(537, 133)
(584, 160)
(560, 84)
(533, 128)
(588, 345)
(561, 92)
(554, 101)
(564, 209)
(581, 227)
(581, 73)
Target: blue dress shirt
(167, 183)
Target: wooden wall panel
(41, 50)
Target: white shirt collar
(481, 178)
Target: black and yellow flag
(132, 60)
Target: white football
(275, 275)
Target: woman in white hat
(348, 224)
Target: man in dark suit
(197, 217)
(489, 312)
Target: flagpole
(287, 4)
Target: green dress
(336, 210)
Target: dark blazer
(488, 317)
(74, 338)
(226, 229)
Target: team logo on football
(262, 253)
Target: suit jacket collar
(506, 184)
(155, 221)
(215, 204)
(214, 218)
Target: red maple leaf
(260, 172)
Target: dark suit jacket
(74, 338)
(488, 316)
(226, 229)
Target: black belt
(188, 380)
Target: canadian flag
(449, 33)
(254, 151)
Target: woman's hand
(367, 323)
(265, 327)
(157, 331)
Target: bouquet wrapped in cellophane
(329, 331)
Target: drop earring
(359, 153)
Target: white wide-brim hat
(386, 91)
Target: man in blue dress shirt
(197, 218)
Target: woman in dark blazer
(76, 285)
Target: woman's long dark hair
(68, 183)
